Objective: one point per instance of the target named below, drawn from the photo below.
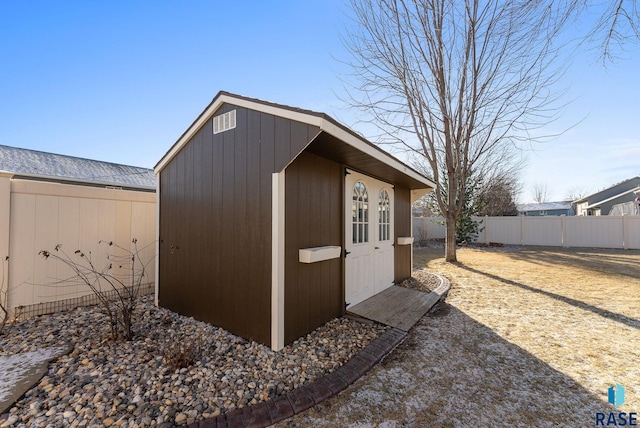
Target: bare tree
(576, 193)
(423, 207)
(539, 192)
(499, 197)
(458, 83)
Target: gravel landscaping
(131, 384)
(422, 280)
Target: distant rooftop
(626, 184)
(34, 164)
(545, 206)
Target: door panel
(384, 238)
(368, 237)
(360, 277)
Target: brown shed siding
(402, 227)
(313, 218)
(215, 221)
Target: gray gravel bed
(422, 280)
(129, 384)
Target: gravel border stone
(302, 398)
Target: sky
(120, 81)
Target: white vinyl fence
(425, 228)
(562, 231)
(37, 216)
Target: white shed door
(368, 236)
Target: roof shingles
(33, 163)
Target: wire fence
(30, 311)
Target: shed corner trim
(277, 259)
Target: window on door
(360, 213)
(384, 216)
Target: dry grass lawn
(529, 337)
(577, 310)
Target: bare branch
(106, 281)
(539, 192)
(616, 26)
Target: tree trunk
(450, 240)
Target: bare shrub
(116, 293)
(184, 354)
(4, 297)
(422, 235)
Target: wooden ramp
(398, 307)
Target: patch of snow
(14, 367)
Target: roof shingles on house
(33, 164)
(547, 209)
(604, 201)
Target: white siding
(5, 215)
(43, 215)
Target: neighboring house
(546, 209)
(602, 202)
(48, 199)
(273, 219)
(627, 208)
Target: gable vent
(224, 122)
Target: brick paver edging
(300, 399)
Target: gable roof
(635, 190)
(336, 139)
(545, 206)
(33, 164)
(627, 184)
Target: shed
(274, 219)
(48, 199)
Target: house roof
(604, 201)
(33, 164)
(335, 141)
(637, 178)
(545, 206)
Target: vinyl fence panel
(43, 215)
(543, 231)
(632, 232)
(505, 230)
(425, 228)
(594, 231)
(554, 231)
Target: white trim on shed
(300, 116)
